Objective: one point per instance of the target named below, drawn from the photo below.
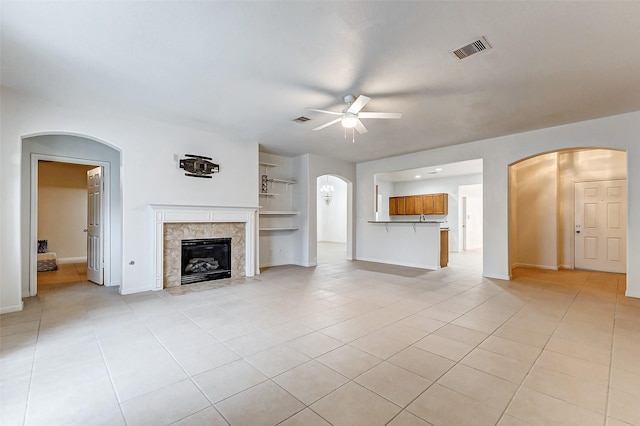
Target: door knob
(85, 230)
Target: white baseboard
(124, 292)
(407, 264)
(531, 265)
(634, 294)
(497, 277)
(72, 260)
(14, 308)
(565, 267)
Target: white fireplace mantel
(162, 213)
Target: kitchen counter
(414, 243)
(406, 221)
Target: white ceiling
(468, 167)
(245, 69)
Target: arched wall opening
(331, 218)
(542, 199)
(78, 149)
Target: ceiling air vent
(301, 119)
(471, 48)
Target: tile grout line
(314, 359)
(610, 371)
(33, 363)
(521, 385)
(458, 362)
(189, 377)
(455, 362)
(372, 332)
(113, 386)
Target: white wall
(149, 175)
(620, 131)
(536, 220)
(62, 208)
(332, 218)
(278, 247)
(447, 185)
(309, 168)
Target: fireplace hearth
(205, 260)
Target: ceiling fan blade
(324, 111)
(360, 127)
(337, 120)
(380, 115)
(358, 104)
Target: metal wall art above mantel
(199, 166)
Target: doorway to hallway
(331, 219)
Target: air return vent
(301, 119)
(471, 49)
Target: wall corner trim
(14, 308)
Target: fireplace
(205, 259)
(174, 223)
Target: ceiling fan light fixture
(349, 121)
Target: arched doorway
(545, 226)
(331, 218)
(72, 149)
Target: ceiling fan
(351, 114)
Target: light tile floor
(341, 344)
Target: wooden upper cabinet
(413, 204)
(402, 205)
(419, 204)
(393, 206)
(440, 204)
(427, 204)
(409, 206)
(396, 205)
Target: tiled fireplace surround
(175, 223)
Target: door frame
(349, 224)
(33, 220)
(463, 228)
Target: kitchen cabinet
(413, 204)
(440, 204)
(393, 206)
(396, 206)
(444, 247)
(426, 204)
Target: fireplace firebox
(205, 259)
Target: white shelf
(279, 212)
(288, 182)
(280, 229)
(267, 164)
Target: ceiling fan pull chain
(353, 135)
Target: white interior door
(601, 225)
(95, 264)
